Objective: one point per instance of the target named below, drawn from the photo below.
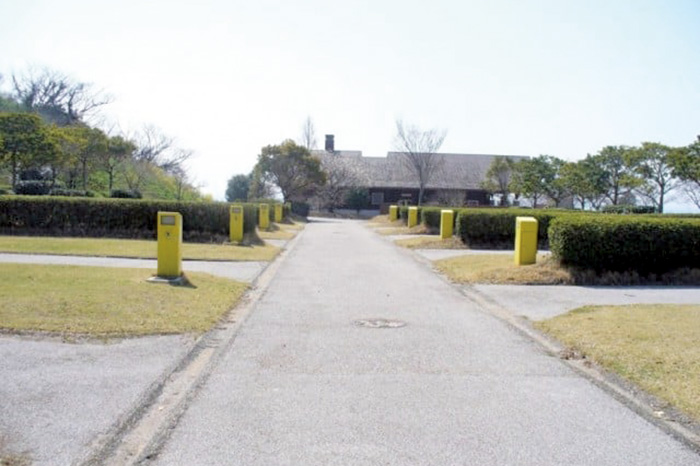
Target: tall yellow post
(236, 223)
(525, 240)
(278, 213)
(264, 216)
(447, 218)
(393, 213)
(169, 244)
(412, 216)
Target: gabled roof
(455, 171)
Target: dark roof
(455, 171)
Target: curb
(140, 433)
(632, 397)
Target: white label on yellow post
(169, 244)
(236, 223)
(446, 223)
(412, 216)
(525, 240)
(264, 216)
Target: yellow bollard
(393, 213)
(236, 223)
(447, 218)
(264, 216)
(169, 244)
(412, 216)
(278, 213)
(525, 240)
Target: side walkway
(310, 379)
(242, 271)
(57, 398)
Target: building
(457, 179)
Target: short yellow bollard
(236, 223)
(525, 240)
(447, 218)
(264, 216)
(169, 244)
(393, 213)
(278, 213)
(412, 216)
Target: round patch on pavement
(379, 323)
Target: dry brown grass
(110, 247)
(434, 242)
(657, 347)
(10, 458)
(501, 269)
(404, 230)
(110, 302)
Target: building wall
(390, 196)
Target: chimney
(330, 144)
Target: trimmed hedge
(626, 243)
(33, 187)
(629, 209)
(71, 192)
(119, 218)
(431, 216)
(495, 228)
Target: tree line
(50, 144)
(616, 175)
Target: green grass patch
(147, 249)
(657, 347)
(109, 301)
(501, 269)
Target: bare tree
(154, 147)
(343, 173)
(308, 134)
(692, 192)
(57, 97)
(418, 151)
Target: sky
(506, 77)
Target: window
(378, 198)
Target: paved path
(303, 383)
(243, 271)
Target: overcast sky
(227, 77)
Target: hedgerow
(626, 243)
(119, 218)
(495, 228)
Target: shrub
(125, 194)
(300, 208)
(626, 243)
(6, 191)
(403, 213)
(71, 192)
(495, 228)
(430, 217)
(120, 218)
(33, 187)
(629, 209)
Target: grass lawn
(500, 269)
(109, 247)
(657, 347)
(109, 301)
(284, 231)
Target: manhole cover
(379, 323)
